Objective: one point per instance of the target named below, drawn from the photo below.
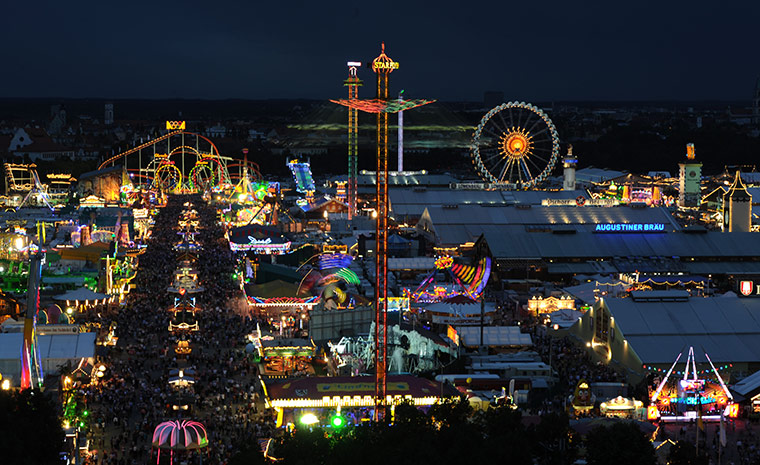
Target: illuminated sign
(396, 304)
(384, 65)
(630, 227)
(749, 288)
(253, 240)
(175, 125)
(339, 248)
(451, 333)
(578, 203)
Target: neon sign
(175, 125)
(630, 227)
(384, 65)
(253, 240)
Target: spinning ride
(467, 281)
(515, 146)
(689, 398)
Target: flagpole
(699, 416)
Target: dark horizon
(532, 52)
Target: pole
(401, 136)
(482, 320)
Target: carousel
(180, 438)
(691, 397)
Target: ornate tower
(737, 207)
(569, 162)
(689, 180)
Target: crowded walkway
(135, 395)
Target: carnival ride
(515, 146)
(353, 83)
(301, 170)
(31, 366)
(171, 163)
(691, 398)
(382, 105)
(465, 280)
(330, 282)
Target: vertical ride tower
(382, 66)
(353, 83)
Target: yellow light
(6, 384)
(309, 419)
(19, 243)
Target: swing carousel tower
(382, 105)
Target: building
(650, 328)
(737, 207)
(108, 114)
(648, 248)
(35, 144)
(689, 180)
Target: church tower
(108, 116)
(737, 207)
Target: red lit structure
(383, 66)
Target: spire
(738, 191)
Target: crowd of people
(135, 395)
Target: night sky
(449, 50)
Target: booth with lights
(353, 397)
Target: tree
(550, 437)
(623, 443)
(30, 429)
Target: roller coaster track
(155, 141)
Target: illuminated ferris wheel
(515, 145)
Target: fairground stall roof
(259, 240)
(348, 391)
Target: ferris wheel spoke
(544, 130)
(493, 156)
(504, 170)
(489, 151)
(538, 168)
(529, 176)
(540, 158)
(538, 121)
(516, 169)
(506, 126)
(527, 120)
(492, 132)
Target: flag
(722, 431)
(700, 423)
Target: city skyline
(530, 52)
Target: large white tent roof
(727, 328)
(51, 346)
